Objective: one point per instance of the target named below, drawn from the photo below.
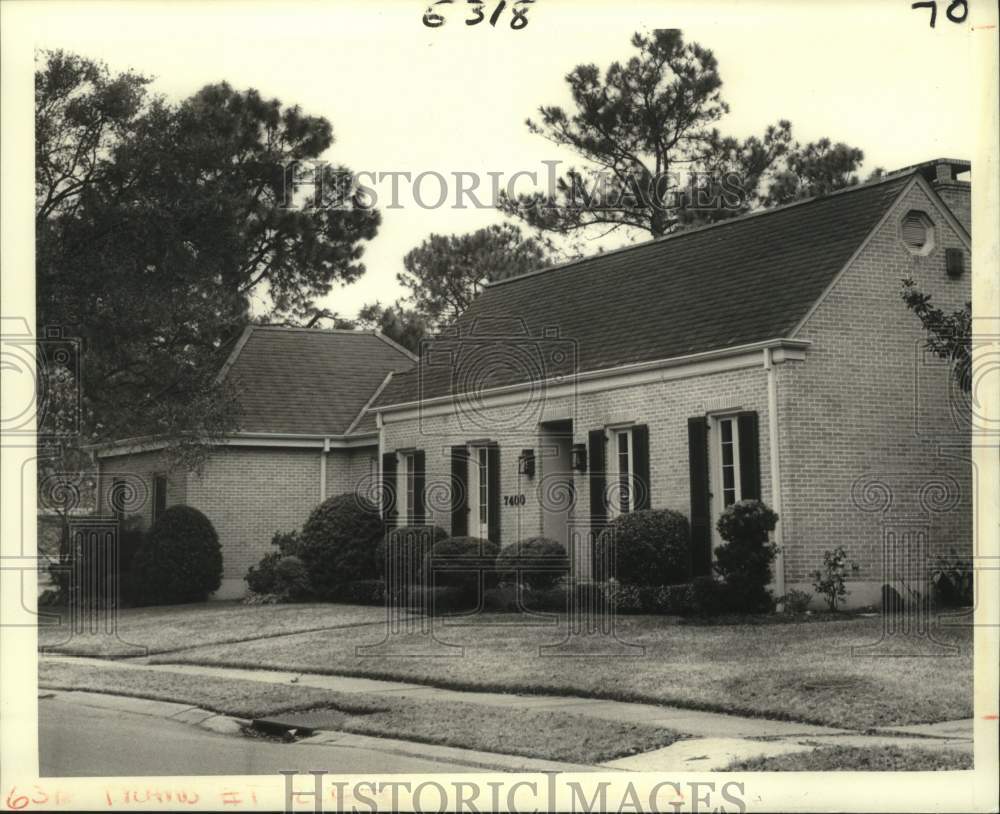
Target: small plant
(953, 580)
(744, 562)
(796, 601)
(830, 581)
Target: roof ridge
(357, 331)
(757, 213)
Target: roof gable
(744, 280)
(306, 381)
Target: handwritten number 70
(957, 10)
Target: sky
(405, 98)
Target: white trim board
(744, 356)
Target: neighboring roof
(745, 280)
(309, 381)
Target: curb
(169, 710)
(228, 725)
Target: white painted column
(772, 426)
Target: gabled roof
(309, 381)
(749, 279)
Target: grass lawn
(859, 759)
(166, 628)
(797, 671)
(549, 735)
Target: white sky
(405, 98)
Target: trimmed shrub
(441, 599)
(180, 560)
(537, 562)
(458, 562)
(651, 547)
(407, 546)
(362, 592)
(338, 543)
(291, 581)
(262, 577)
(744, 561)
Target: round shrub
(537, 562)
(262, 577)
(457, 562)
(648, 547)
(180, 560)
(406, 547)
(291, 580)
(337, 543)
(744, 561)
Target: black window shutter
(389, 486)
(598, 479)
(749, 456)
(640, 459)
(459, 491)
(701, 513)
(493, 496)
(419, 481)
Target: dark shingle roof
(745, 280)
(313, 382)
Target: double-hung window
(622, 493)
(482, 514)
(729, 460)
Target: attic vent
(954, 262)
(917, 232)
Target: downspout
(322, 469)
(772, 431)
(378, 462)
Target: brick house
(768, 356)
(304, 435)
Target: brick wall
(869, 441)
(248, 493)
(664, 406)
(138, 471)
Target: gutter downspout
(772, 427)
(322, 469)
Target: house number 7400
(513, 500)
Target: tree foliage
(655, 160)
(949, 335)
(445, 273)
(159, 225)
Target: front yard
(167, 628)
(796, 671)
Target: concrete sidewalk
(713, 739)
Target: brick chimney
(943, 174)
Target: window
(729, 460)
(159, 495)
(483, 479)
(622, 498)
(916, 230)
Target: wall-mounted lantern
(526, 463)
(579, 457)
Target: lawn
(797, 671)
(859, 759)
(167, 628)
(549, 735)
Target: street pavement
(83, 741)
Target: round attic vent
(917, 232)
